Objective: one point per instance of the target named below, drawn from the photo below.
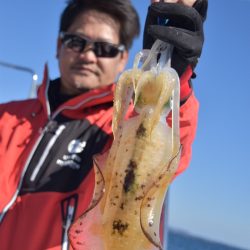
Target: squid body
(132, 178)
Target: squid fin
(86, 231)
(152, 203)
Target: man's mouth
(84, 70)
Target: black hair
(121, 11)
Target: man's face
(84, 70)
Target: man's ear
(123, 61)
(58, 46)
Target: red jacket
(46, 178)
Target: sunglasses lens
(101, 49)
(73, 42)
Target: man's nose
(88, 53)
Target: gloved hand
(184, 30)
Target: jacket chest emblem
(72, 158)
(76, 146)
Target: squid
(132, 178)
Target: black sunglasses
(101, 49)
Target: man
(47, 144)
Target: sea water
(183, 241)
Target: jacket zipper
(68, 221)
(14, 197)
(46, 152)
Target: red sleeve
(188, 126)
(188, 119)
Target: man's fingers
(177, 14)
(184, 40)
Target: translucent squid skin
(136, 172)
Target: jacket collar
(94, 97)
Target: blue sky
(211, 198)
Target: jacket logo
(76, 146)
(72, 160)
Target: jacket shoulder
(19, 107)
